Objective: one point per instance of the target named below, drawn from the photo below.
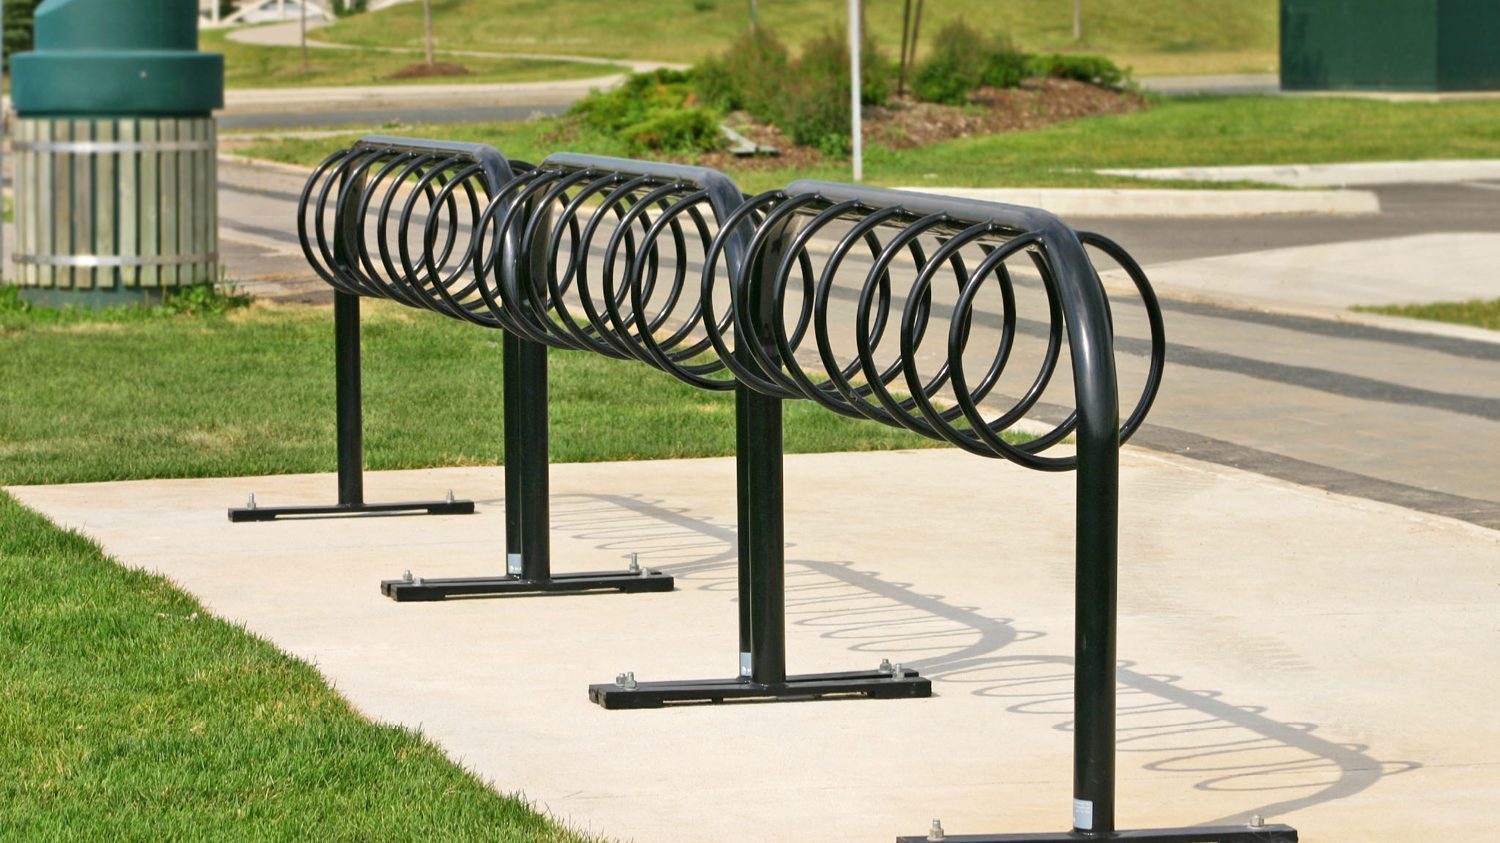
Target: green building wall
(1390, 45)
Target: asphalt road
(1406, 209)
(375, 117)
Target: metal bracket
(865, 683)
(1202, 834)
(409, 591)
(271, 513)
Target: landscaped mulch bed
(907, 122)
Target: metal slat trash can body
(115, 145)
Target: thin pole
(754, 16)
(302, 7)
(857, 132)
(905, 47)
(1077, 21)
(427, 27)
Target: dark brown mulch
(907, 122)
(1038, 102)
(423, 70)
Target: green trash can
(115, 145)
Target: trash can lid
(107, 58)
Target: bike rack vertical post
(349, 411)
(758, 462)
(528, 556)
(348, 398)
(526, 460)
(759, 504)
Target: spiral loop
(898, 307)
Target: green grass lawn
(129, 713)
(251, 392)
(1178, 131)
(1154, 36)
(252, 66)
(1481, 313)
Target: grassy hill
(1153, 36)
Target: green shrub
(749, 75)
(812, 104)
(827, 57)
(1096, 70)
(807, 98)
(814, 111)
(962, 59)
(955, 67)
(680, 130)
(653, 111)
(1004, 65)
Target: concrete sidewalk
(1323, 661)
(1132, 202)
(1358, 173)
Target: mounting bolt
(406, 576)
(885, 666)
(251, 503)
(450, 496)
(1257, 821)
(936, 832)
(898, 672)
(626, 680)
(635, 563)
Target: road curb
(1153, 203)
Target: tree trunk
(427, 28)
(302, 17)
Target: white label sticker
(1083, 814)
(513, 564)
(747, 664)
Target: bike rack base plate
(1201, 834)
(271, 513)
(872, 684)
(404, 591)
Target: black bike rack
(571, 255)
(349, 401)
(529, 265)
(780, 300)
(387, 190)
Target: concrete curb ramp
(1148, 202)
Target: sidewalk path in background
(1238, 83)
(289, 35)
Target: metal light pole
(857, 134)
